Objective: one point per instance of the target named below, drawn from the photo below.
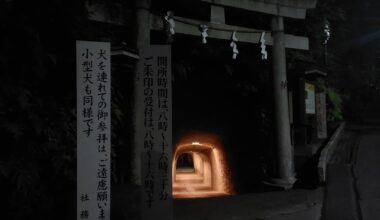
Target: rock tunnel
(200, 167)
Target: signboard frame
(321, 115)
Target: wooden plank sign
(93, 130)
(154, 120)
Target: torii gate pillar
(284, 175)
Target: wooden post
(142, 39)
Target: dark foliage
(38, 106)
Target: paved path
(294, 204)
(353, 180)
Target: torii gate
(284, 172)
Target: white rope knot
(233, 44)
(204, 34)
(169, 20)
(264, 53)
(326, 31)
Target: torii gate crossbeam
(284, 173)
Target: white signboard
(154, 86)
(93, 130)
(321, 115)
(310, 98)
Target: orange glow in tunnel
(200, 168)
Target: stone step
(198, 194)
(184, 178)
(191, 187)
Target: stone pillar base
(281, 183)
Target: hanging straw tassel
(233, 44)
(170, 21)
(204, 34)
(264, 53)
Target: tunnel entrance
(200, 168)
(185, 162)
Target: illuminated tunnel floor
(192, 186)
(199, 194)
